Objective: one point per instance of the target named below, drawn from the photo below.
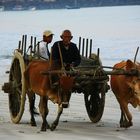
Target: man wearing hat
(43, 46)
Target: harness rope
(61, 58)
(62, 67)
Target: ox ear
(129, 64)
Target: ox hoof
(126, 124)
(53, 127)
(45, 126)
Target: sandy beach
(74, 122)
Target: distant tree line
(52, 4)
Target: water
(115, 30)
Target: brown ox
(40, 84)
(127, 90)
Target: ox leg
(123, 118)
(34, 108)
(31, 106)
(55, 123)
(43, 108)
(126, 117)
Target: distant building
(49, 0)
(53, 4)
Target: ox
(40, 84)
(127, 90)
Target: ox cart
(90, 78)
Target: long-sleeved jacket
(70, 53)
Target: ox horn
(136, 54)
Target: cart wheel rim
(18, 95)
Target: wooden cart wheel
(94, 103)
(18, 94)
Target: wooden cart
(90, 78)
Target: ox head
(134, 83)
(135, 91)
(66, 85)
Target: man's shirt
(43, 50)
(70, 54)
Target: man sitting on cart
(64, 53)
(67, 50)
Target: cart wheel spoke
(19, 85)
(19, 91)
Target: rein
(62, 68)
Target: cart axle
(7, 87)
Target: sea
(114, 30)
